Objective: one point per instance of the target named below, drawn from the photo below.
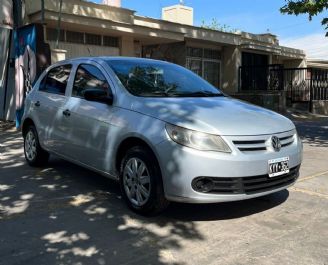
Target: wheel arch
(27, 122)
(127, 144)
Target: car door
(47, 104)
(89, 120)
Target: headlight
(197, 140)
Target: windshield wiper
(155, 94)
(172, 94)
(200, 94)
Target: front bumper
(181, 165)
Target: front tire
(34, 154)
(141, 182)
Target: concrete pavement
(64, 214)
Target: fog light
(203, 184)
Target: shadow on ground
(315, 133)
(64, 214)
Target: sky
(255, 16)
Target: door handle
(66, 113)
(37, 104)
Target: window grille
(110, 41)
(74, 37)
(92, 39)
(52, 34)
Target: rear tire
(34, 154)
(141, 182)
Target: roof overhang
(322, 64)
(190, 32)
(86, 24)
(275, 50)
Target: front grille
(288, 140)
(244, 185)
(261, 144)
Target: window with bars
(203, 53)
(212, 72)
(82, 38)
(110, 41)
(194, 52)
(195, 65)
(212, 54)
(52, 34)
(206, 63)
(75, 37)
(92, 39)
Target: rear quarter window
(56, 80)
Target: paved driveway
(64, 214)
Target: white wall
(6, 16)
(79, 50)
(4, 53)
(179, 14)
(230, 67)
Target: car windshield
(156, 79)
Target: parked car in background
(159, 129)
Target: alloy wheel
(136, 181)
(30, 146)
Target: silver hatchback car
(163, 132)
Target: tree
(309, 7)
(215, 25)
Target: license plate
(278, 166)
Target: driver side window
(89, 77)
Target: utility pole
(43, 23)
(42, 12)
(58, 24)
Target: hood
(215, 115)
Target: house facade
(89, 29)
(93, 29)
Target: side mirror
(98, 96)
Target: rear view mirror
(98, 95)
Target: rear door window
(56, 80)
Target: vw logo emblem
(275, 143)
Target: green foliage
(215, 25)
(310, 7)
